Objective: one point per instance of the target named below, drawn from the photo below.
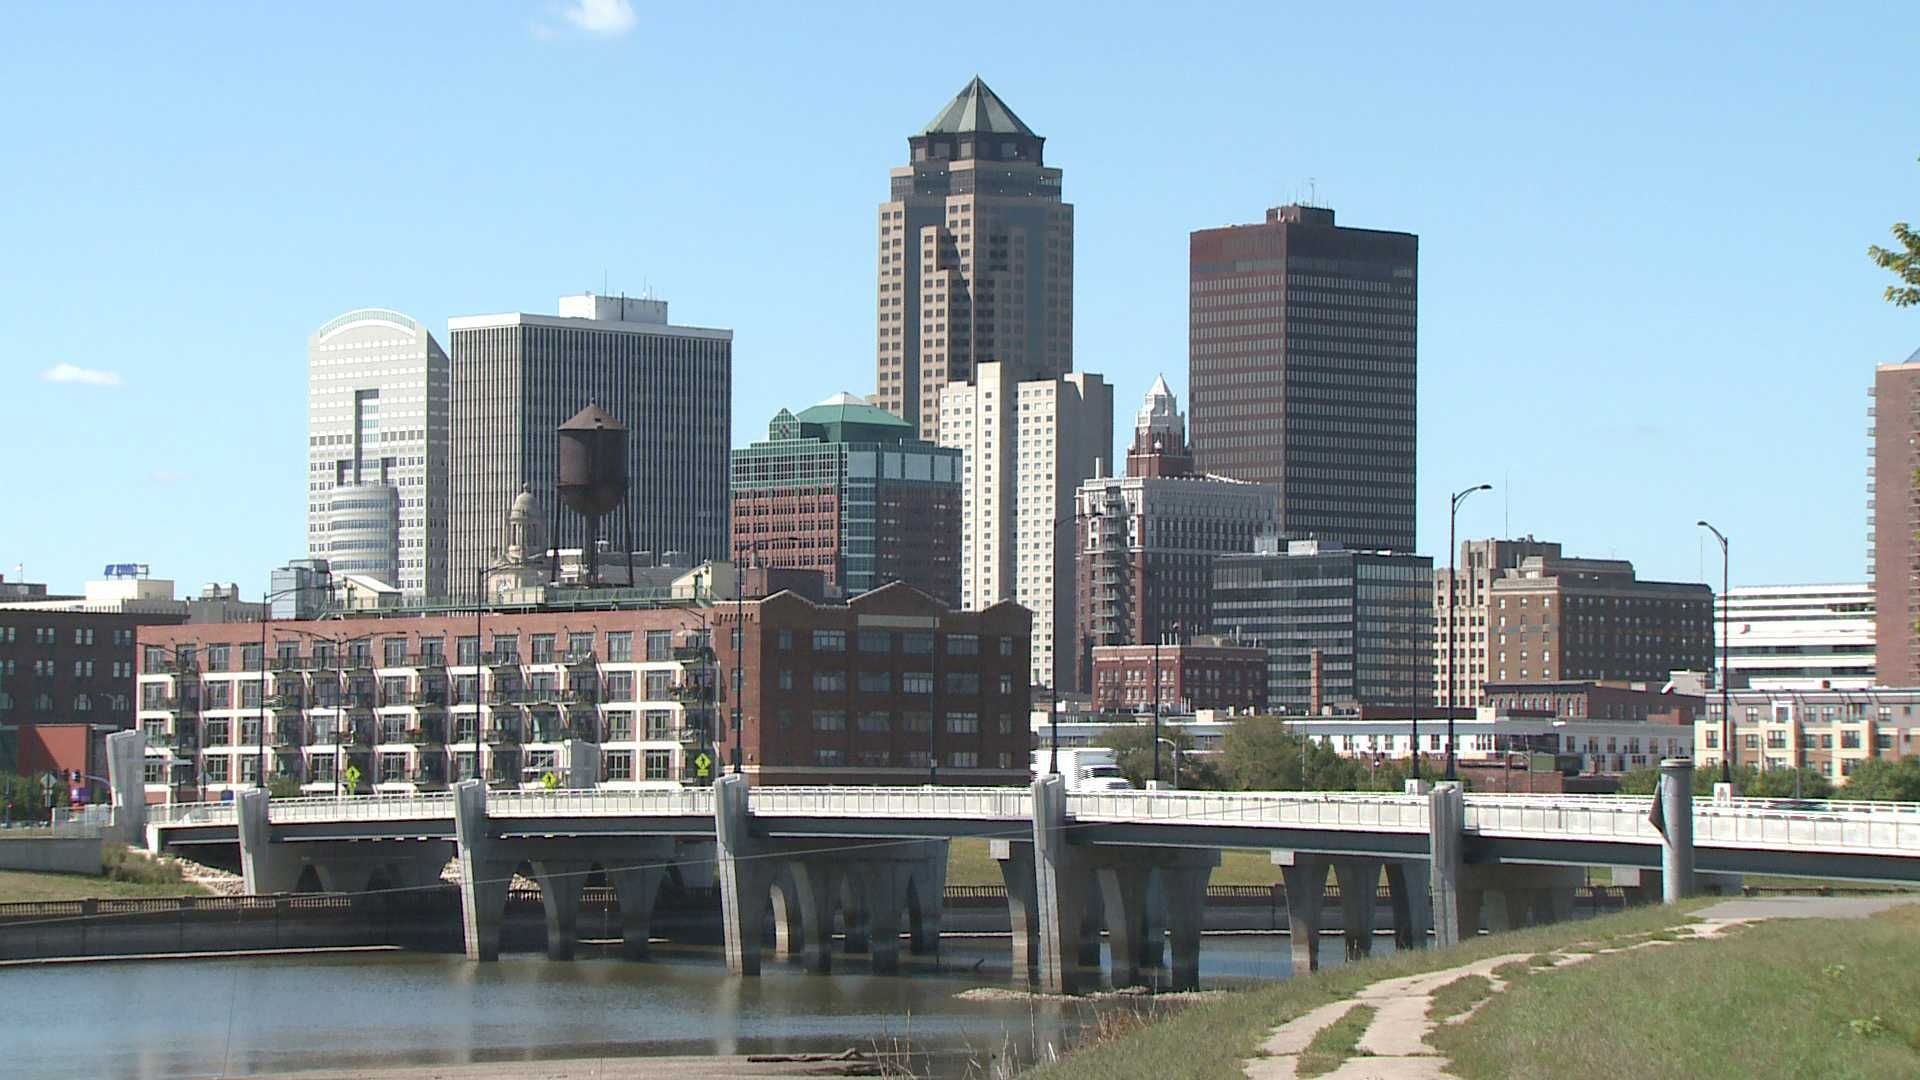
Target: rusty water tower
(592, 479)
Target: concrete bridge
(873, 860)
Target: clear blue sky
(1645, 295)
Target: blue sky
(1645, 296)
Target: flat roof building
(1799, 637)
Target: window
(393, 652)
(218, 766)
(659, 764)
(916, 644)
(659, 645)
(467, 651)
(619, 725)
(1006, 684)
(154, 770)
(783, 640)
(250, 657)
(250, 694)
(876, 682)
(506, 648)
(617, 686)
(785, 679)
(1850, 740)
(963, 682)
(620, 647)
(964, 759)
(579, 646)
(830, 721)
(875, 722)
(83, 669)
(829, 757)
(659, 724)
(219, 657)
(916, 682)
(829, 681)
(658, 685)
(829, 641)
(1006, 646)
(876, 641)
(219, 695)
(393, 768)
(542, 648)
(916, 722)
(619, 763)
(963, 645)
(963, 723)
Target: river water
(158, 1019)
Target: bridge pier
(636, 888)
(929, 897)
(1016, 871)
(127, 779)
(1305, 877)
(561, 882)
(265, 867)
(1359, 881)
(1409, 885)
(483, 877)
(887, 885)
(854, 922)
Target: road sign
(352, 776)
(549, 780)
(703, 765)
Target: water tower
(592, 478)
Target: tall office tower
(1893, 558)
(845, 488)
(1480, 563)
(1342, 628)
(1301, 352)
(976, 259)
(377, 450)
(1026, 447)
(1148, 539)
(518, 377)
(1799, 637)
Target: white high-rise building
(1026, 447)
(377, 450)
(1799, 637)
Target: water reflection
(163, 1019)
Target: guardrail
(1307, 809)
(601, 802)
(971, 803)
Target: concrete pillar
(346, 875)
(1511, 907)
(929, 897)
(816, 886)
(1676, 849)
(853, 908)
(1153, 933)
(1637, 885)
(1123, 898)
(582, 761)
(127, 780)
(561, 882)
(1306, 880)
(1059, 889)
(1093, 923)
(1447, 812)
(886, 883)
(265, 867)
(783, 897)
(1016, 870)
(743, 879)
(1410, 884)
(636, 888)
(1359, 881)
(1183, 887)
(1552, 905)
(483, 878)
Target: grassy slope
(1778, 999)
(1210, 1038)
(18, 885)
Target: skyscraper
(1026, 446)
(845, 488)
(1301, 351)
(976, 259)
(1148, 539)
(518, 377)
(377, 450)
(1894, 558)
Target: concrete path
(1804, 907)
(1394, 1045)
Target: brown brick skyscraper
(1301, 352)
(976, 259)
(1896, 521)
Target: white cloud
(607, 18)
(73, 373)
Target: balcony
(176, 666)
(503, 735)
(359, 661)
(429, 699)
(504, 695)
(360, 736)
(289, 734)
(286, 664)
(429, 774)
(693, 654)
(582, 659)
(693, 694)
(427, 735)
(503, 660)
(581, 696)
(540, 695)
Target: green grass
(1336, 1042)
(1785, 998)
(1770, 881)
(1207, 1040)
(1458, 996)
(17, 886)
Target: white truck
(1085, 768)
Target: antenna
(1313, 192)
(1506, 502)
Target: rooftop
(977, 109)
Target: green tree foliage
(1132, 746)
(1903, 262)
(283, 787)
(1259, 753)
(1747, 780)
(1880, 779)
(23, 798)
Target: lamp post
(1175, 747)
(266, 618)
(1453, 516)
(1053, 731)
(1726, 692)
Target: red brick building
(865, 692)
(1201, 674)
(1578, 700)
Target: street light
(1453, 515)
(1726, 694)
(1175, 747)
(1157, 740)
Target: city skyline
(200, 377)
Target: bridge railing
(190, 813)
(602, 802)
(998, 804)
(1306, 809)
(397, 806)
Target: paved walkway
(1804, 907)
(1394, 1045)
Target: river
(163, 1019)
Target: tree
(1801, 783)
(1903, 262)
(1132, 746)
(23, 797)
(283, 787)
(1260, 753)
(1880, 779)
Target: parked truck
(1086, 768)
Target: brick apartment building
(1208, 673)
(1575, 700)
(865, 692)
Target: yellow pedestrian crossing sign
(703, 765)
(549, 780)
(352, 776)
